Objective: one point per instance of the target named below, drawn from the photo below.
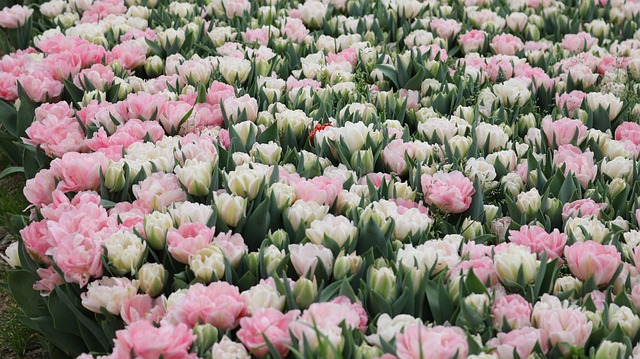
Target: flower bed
(354, 179)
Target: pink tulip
(79, 171)
(218, 304)
(143, 340)
(521, 340)
(582, 208)
(187, 240)
(592, 259)
(159, 190)
(269, 323)
(513, 309)
(439, 342)
(450, 192)
(539, 240)
(566, 328)
(581, 164)
(563, 131)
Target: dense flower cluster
(360, 178)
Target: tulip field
(324, 178)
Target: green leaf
(390, 73)
(26, 112)
(20, 284)
(439, 301)
(371, 237)
(270, 134)
(85, 321)
(8, 118)
(60, 315)
(416, 81)
(11, 170)
(70, 345)
(257, 226)
(74, 92)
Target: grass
(16, 340)
(15, 337)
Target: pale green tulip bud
(304, 292)
(609, 349)
(278, 238)
(383, 282)
(366, 161)
(156, 226)
(125, 251)
(231, 208)
(152, 277)
(253, 262)
(346, 265)
(206, 336)
(154, 66)
(471, 229)
(366, 351)
(114, 176)
(206, 262)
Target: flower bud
(264, 295)
(114, 176)
(171, 36)
(366, 163)
(11, 255)
(477, 302)
(346, 265)
(125, 251)
(124, 88)
(302, 213)
(233, 69)
(267, 153)
(195, 176)
(272, 258)
(206, 262)
(253, 262)
(90, 96)
(296, 120)
(156, 226)
(499, 227)
(371, 214)
(265, 118)
(402, 190)
(529, 202)
(532, 32)
(471, 229)
(553, 207)
(609, 349)
(383, 282)
(490, 213)
(152, 277)
(153, 66)
(206, 336)
(567, 283)
(245, 182)
(231, 208)
(338, 229)
(366, 351)
(460, 144)
(510, 260)
(245, 130)
(284, 195)
(525, 122)
(616, 186)
(304, 292)
(624, 317)
(278, 238)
